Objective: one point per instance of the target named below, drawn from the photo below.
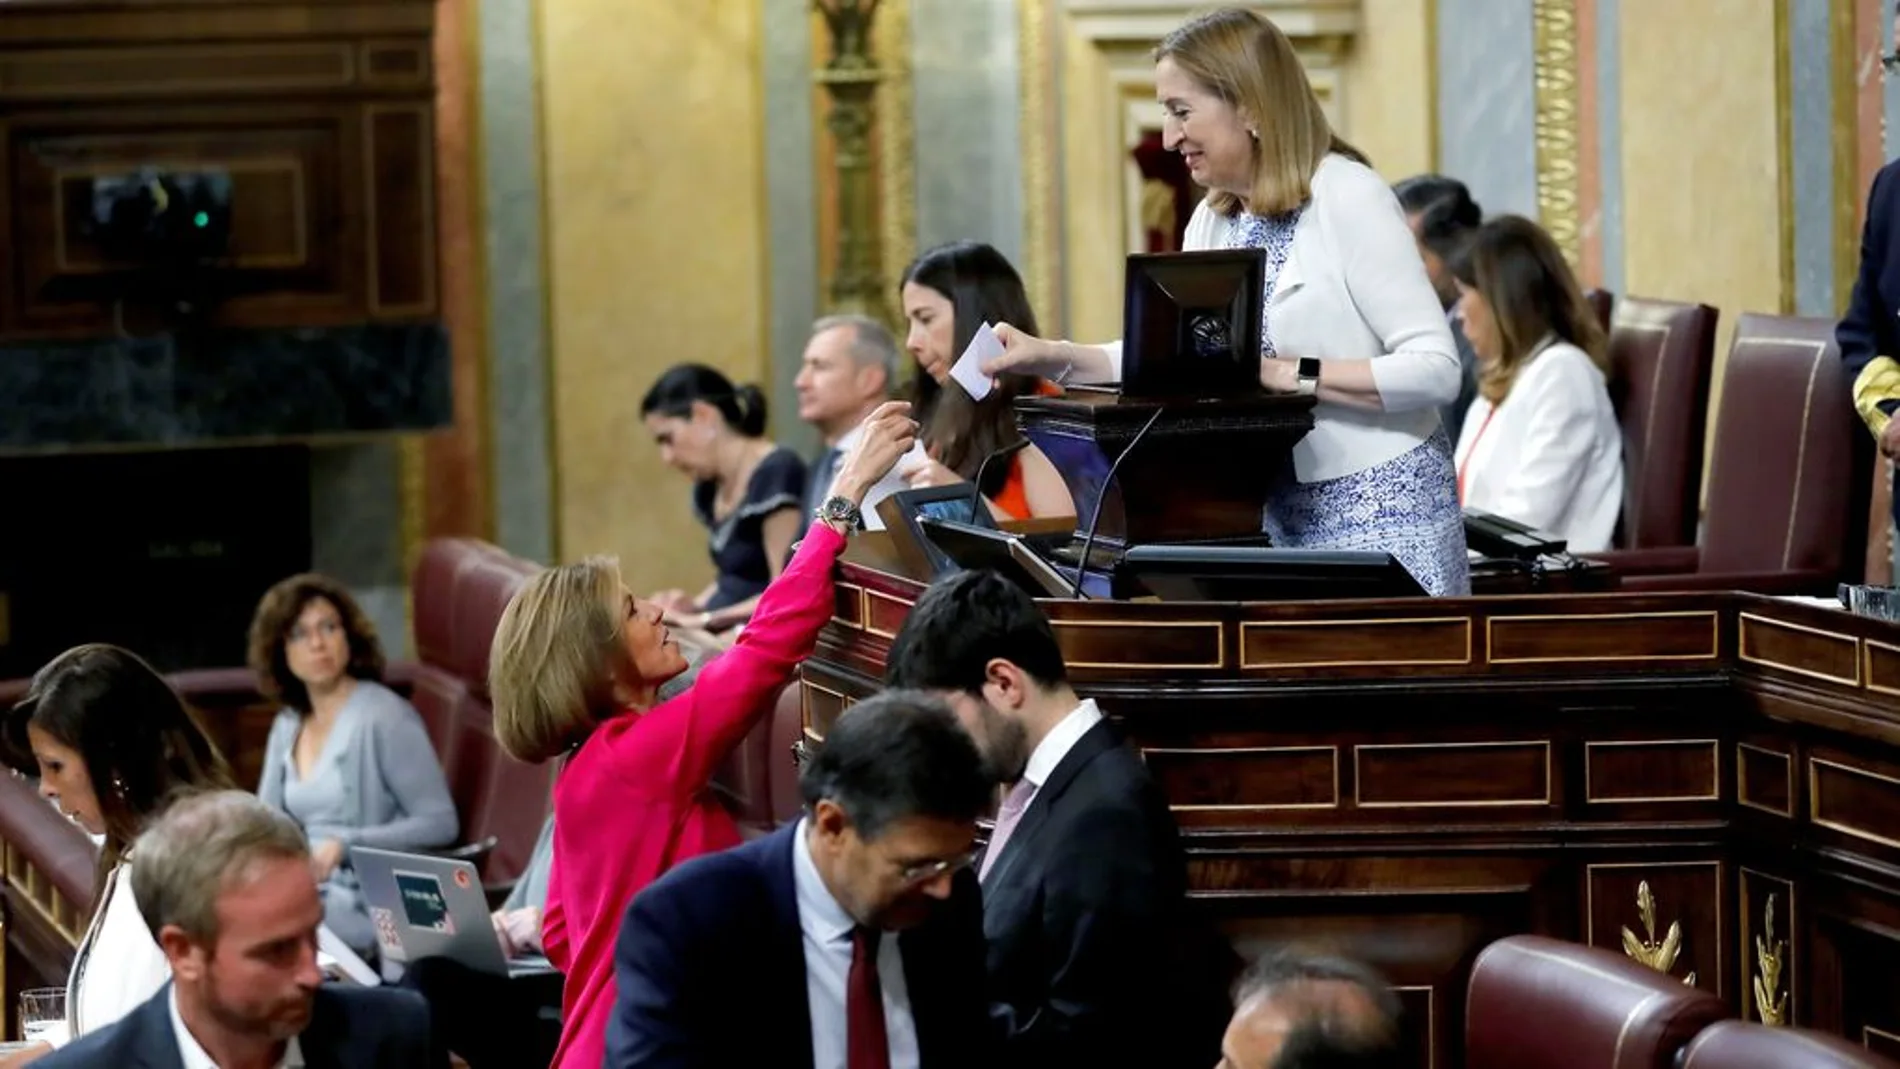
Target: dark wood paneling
(1589, 746)
(1764, 777)
(1659, 770)
(321, 113)
(1231, 784)
(1443, 774)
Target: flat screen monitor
(1191, 323)
(985, 548)
(903, 511)
(1188, 572)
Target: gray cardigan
(394, 794)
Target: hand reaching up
(887, 436)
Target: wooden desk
(1408, 781)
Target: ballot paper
(968, 370)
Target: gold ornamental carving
(1771, 1001)
(851, 78)
(1659, 955)
(1557, 123)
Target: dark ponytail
(1445, 210)
(742, 407)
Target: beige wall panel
(1093, 198)
(1390, 107)
(1701, 192)
(656, 248)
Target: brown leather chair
(1746, 1045)
(1543, 1003)
(1789, 479)
(1661, 353)
(459, 590)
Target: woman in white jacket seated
(113, 745)
(1540, 444)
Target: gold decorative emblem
(1660, 956)
(1771, 1002)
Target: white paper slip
(334, 953)
(968, 370)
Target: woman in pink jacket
(575, 670)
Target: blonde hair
(552, 665)
(1245, 60)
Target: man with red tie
(850, 940)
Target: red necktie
(866, 1045)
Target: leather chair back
(460, 588)
(1746, 1045)
(1661, 353)
(1537, 1003)
(1782, 484)
(1603, 303)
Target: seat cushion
(1554, 1005)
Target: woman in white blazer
(1540, 443)
(113, 745)
(1350, 315)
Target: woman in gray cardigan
(347, 757)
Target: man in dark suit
(854, 938)
(1083, 880)
(223, 881)
(1869, 334)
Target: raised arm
(693, 733)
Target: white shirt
(1353, 288)
(193, 1056)
(827, 929)
(891, 483)
(1061, 739)
(118, 965)
(1551, 454)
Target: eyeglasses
(1891, 62)
(925, 871)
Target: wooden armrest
(1655, 560)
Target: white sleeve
(1386, 278)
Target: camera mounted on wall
(162, 218)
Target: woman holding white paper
(1350, 316)
(949, 293)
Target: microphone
(976, 484)
(1088, 543)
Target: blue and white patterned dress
(1406, 506)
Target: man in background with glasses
(858, 930)
(1083, 880)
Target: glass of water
(42, 1011)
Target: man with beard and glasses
(1083, 880)
(224, 883)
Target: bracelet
(1068, 367)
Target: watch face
(1309, 367)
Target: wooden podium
(1202, 471)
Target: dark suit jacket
(710, 967)
(1084, 912)
(1869, 334)
(350, 1028)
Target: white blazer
(1354, 288)
(1551, 453)
(118, 966)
